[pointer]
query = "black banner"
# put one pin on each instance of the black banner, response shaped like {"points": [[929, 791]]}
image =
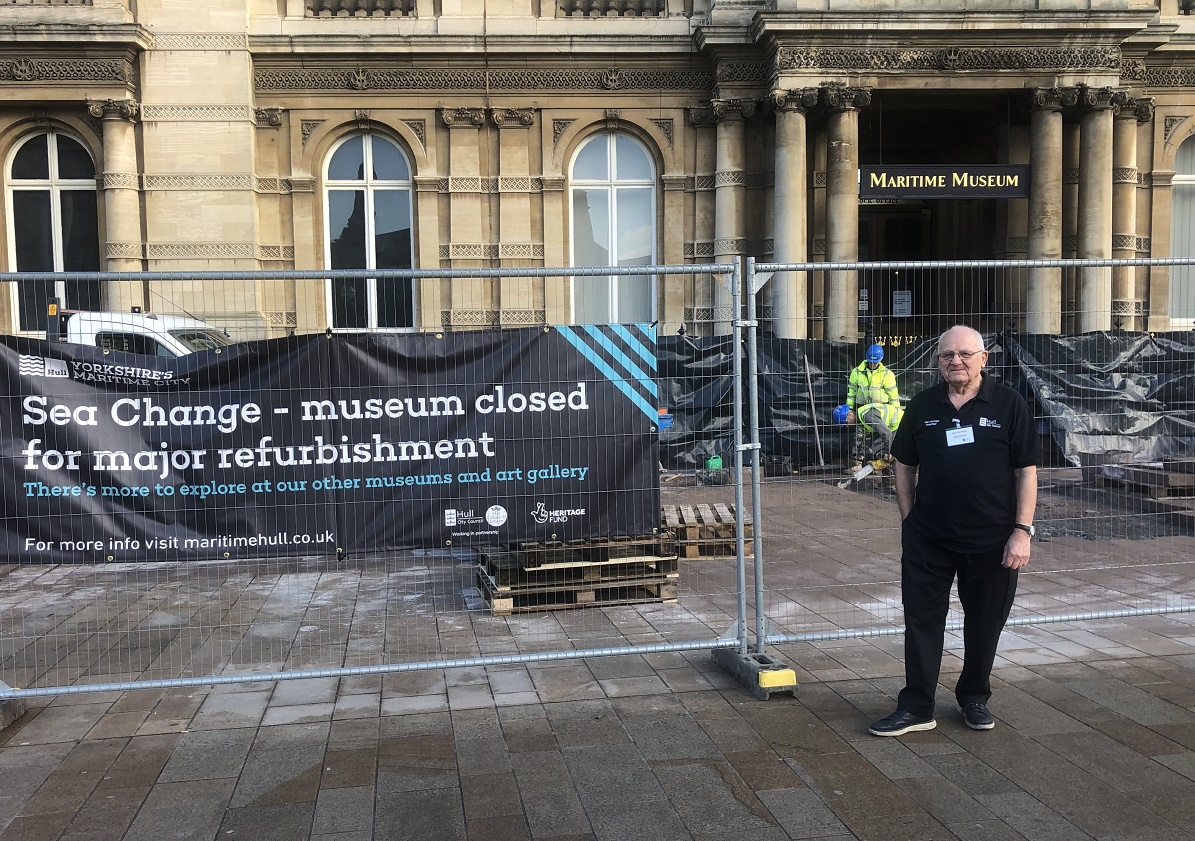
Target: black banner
{"points": [[309, 445], [958, 181]]}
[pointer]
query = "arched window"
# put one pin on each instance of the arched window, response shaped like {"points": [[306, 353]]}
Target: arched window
{"points": [[613, 195], [1182, 238], [367, 208], [51, 204]]}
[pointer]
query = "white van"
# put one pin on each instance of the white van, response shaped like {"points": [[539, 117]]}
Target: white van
{"points": [[147, 333]]}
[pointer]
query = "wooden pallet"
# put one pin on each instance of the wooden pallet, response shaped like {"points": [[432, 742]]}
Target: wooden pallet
{"points": [[526, 596], [703, 530], [583, 574], [1172, 479]]}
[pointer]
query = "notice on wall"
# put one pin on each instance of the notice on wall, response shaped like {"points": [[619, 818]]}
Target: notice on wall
{"points": [[902, 303], [312, 445]]}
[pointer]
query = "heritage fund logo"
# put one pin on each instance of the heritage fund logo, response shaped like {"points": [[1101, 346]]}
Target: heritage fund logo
{"points": [[542, 515], [39, 366]]}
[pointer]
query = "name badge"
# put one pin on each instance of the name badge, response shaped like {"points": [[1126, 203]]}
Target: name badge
{"points": [[960, 435]]}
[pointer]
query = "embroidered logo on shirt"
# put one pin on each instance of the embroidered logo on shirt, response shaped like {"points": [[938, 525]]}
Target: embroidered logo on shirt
{"points": [[990, 424], [933, 422]]}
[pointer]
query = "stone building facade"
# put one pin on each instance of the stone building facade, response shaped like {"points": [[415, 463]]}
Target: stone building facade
{"points": [[230, 135]]}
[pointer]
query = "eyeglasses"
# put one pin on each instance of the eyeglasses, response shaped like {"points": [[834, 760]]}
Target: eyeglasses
{"points": [[964, 355]]}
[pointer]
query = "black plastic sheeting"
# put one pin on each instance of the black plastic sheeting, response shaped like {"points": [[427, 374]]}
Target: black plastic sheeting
{"points": [[1099, 397]]}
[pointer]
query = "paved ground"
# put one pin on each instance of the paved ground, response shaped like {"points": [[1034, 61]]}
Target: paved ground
{"points": [[1095, 735]]}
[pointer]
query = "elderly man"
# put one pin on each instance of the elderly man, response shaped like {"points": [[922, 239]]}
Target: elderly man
{"points": [[966, 485]]}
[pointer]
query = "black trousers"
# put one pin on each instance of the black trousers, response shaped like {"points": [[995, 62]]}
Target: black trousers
{"points": [[986, 590]]}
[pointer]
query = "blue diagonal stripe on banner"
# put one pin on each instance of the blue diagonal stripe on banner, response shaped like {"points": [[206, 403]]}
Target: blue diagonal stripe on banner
{"points": [[646, 380], [633, 340], [620, 382]]}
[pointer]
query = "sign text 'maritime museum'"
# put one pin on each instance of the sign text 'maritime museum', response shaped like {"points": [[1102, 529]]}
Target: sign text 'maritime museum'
{"points": [[957, 181]]}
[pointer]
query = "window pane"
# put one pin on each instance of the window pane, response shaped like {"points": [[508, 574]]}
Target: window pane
{"points": [[1184, 161], [388, 162], [80, 231], [350, 306], [591, 247], [392, 250], [32, 161], [392, 229], [636, 245], [346, 228], [73, 160], [34, 297], [83, 294], [592, 163], [31, 230], [348, 164], [633, 163]]}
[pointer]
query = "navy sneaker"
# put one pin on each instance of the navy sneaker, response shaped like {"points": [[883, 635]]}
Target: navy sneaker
{"points": [[899, 723], [978, 716]]}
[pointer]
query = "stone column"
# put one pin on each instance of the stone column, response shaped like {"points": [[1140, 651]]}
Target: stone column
{"points": [[1012, 286], [729, 197], [1044, 300], [842, 208], [1095, 209], [123, 238], [1127, 308], [788, 292]]}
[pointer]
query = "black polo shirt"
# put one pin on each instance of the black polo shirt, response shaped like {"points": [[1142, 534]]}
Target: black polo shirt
{"points": [[966, 496]]}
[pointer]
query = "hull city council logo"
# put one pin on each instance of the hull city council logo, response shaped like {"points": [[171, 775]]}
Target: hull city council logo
{"points": [[39, 366]]}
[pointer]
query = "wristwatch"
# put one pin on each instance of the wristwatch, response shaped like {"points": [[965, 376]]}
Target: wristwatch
{"points": [[1032, 531]]}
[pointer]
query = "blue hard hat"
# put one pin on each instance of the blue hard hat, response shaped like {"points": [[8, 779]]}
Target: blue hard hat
{"points": [[875, 353], [840, 413]]}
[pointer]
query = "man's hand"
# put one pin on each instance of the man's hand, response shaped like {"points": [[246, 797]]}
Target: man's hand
{"points": [[1016, 550]]}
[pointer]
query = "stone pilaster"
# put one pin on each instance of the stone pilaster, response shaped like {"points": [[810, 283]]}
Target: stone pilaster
{"points": [[1044, 298], [468, 298], [1095, 208], [842, 208], [517, 296], [788, 291], [1127, 307], [123, 237], [729, 197]]}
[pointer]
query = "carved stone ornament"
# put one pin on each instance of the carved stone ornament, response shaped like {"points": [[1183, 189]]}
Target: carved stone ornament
{"points": [[613, 115], [1132, 70], [306, 127], [512, 117], [559, 127], [419, 128], [838, 97], [450, 79], [267, 117], [69, 71], [462, 117], [1169, 125], [1145, 109], [1054, 99], [665, 127], [952, 59], [701, 116], [799, 99], [724, 108], [112, 109], [361, 116], [1101, 98]]}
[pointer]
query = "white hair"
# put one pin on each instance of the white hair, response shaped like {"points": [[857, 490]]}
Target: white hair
{"points": [[966, 328]]}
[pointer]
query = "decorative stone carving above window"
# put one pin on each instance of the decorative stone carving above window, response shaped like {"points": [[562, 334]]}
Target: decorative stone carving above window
{"points": [[359, 8], [612, 8]]}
